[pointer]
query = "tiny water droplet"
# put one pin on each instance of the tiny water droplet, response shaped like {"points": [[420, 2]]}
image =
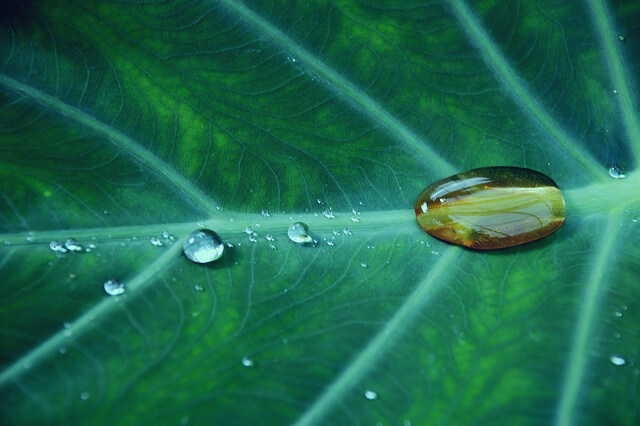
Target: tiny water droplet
{"points": [[113, 287], [621, 37], [347, 232], [615, 91], [247, 362], [299, 233], [229, 245], [616, 335], [155, 241], [248, 230], [273, 246], [364, 265], [616, 172], [336, 232], [265, 213], [30, 237], [72, 245], [435, 252], [165, 235], [198, 287], [328, 213], [355, 212], [253, 237], [330, 243], [66, 325], [57, 247], [618, 314], [355, 219], [84, 396], [617, 360], [203, 246], [370, 395], [270, 237], [319, 201]]}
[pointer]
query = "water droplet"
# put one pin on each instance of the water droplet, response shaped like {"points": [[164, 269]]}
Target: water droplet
{"points": [[84, 396], [370, 395], [299, 233], [347, 232], [270, 237], [435, 252], [273, 246], [617, 360], [155, 241], [618, 314], [616, 335], [355, 219], [253, 237], [616, 172], [328, 213], [265, 213], [66, 325], [113, 287], [615, 91], [57, 247], [198, 287], [247, 362], [319, 201], [364, 265], [336, 232], [165, 235], [248, 230], [491, 207], [330, 243], [621, 37], [30, 237], [203, 246], [72, 245], [361, 203]]}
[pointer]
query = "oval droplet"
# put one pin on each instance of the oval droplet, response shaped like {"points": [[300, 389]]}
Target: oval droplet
{"points": [[616, 172], [113, 287], [491, 207], [203, 246], [299, 233]]}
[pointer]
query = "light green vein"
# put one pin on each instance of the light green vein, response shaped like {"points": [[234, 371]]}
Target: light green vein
{"points": [[365, 361], [89, 319], [344, 88], [610, 44], [596, 281], [497, 62], [119, 139]]}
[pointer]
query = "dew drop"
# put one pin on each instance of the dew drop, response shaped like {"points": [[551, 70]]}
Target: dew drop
{"points": [[253, 237], [84, 396], [355, 219], [57, 247], [273, 246], [615, 91], [113, 287], [265, 213], [155, 241], [347, 232], [364, 265], [247, 362], [198, 287], [370, 395], [299, 233], [165, 235], [335, 232], [330, 243], [621, 37], [270, 238], [72, 245], [617, 360], [30, 237], [618, 314], [203, 246], [616, 172], [328, 213], [248, 230]]}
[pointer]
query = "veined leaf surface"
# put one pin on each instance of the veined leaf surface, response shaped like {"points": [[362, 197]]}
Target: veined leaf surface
{"points": [[124, 119]]}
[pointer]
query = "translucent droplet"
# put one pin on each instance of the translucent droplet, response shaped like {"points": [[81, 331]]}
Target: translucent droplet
{"points": [[621, 37], [57, 247], [113, 287], [270, 237], [253, 237], [155, 241], [336, 232], [616, 172], [618, 314], [84, 396], [364, 265], [248, 230], [265, 213], [617, 360], [203, 246], [355, 219], [198, 287], [72, 245], [370, 395], [299, 233], [30, 237], [330, 243], [347, 232], [615, 91], [66, 325], [319, 201], [273, 246], [165, 235], [247, 362], [328, 213]]}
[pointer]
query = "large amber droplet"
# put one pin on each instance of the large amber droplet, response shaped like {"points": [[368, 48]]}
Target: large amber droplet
{"points": [[491, 207]]}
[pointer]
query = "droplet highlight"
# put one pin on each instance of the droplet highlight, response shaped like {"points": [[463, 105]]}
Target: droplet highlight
{"points": [[491, 207], [113, 287], [616, 172], [617, 360], [203, 246], [370, 395]]}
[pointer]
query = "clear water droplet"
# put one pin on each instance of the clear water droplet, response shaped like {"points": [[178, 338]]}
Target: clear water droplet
{"points": [[30, 237], [364, 265], [247, 362], [615, 91], [66, 325], [336, 232], [229, 245], [299, 233], [248, 230], [355, 219], [347, 232], [618, 314], [328, 213], [198, 287], [84, 396], [621, 37], [273, 246], [319, 201], [72, 245], [155, 241], [330, 243], [57, 247], [616, 172], [370, 395], [253, 237], [165, 235], [203, 246], [270, 237], [617, 360], [113, 287], [265, 213], [435, 252]]}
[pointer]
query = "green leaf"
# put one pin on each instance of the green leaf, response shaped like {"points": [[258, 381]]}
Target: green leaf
{"points": [[121, 120]]}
